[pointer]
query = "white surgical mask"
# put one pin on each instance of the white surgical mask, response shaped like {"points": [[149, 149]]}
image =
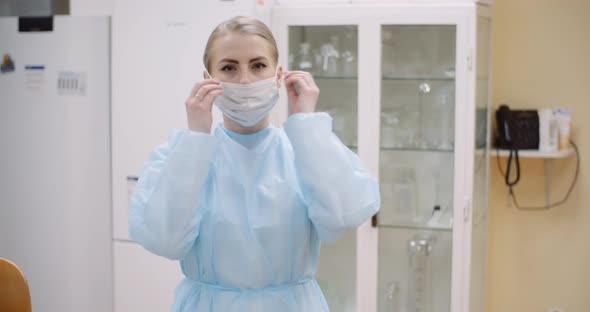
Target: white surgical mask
{"points": [[247, 104]]}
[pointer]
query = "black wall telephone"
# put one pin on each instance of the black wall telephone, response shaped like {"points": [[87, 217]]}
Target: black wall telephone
{"points": [[517, 129]]}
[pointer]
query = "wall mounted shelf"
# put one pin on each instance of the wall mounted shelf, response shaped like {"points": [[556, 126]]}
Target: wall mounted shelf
{"points": [[546, 156]]}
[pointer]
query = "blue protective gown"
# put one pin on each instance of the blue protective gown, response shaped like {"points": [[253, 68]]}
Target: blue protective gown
{"points": [[245, 214]]}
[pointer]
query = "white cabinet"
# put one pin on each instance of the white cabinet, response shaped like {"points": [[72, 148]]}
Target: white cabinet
{"points": [[408, 87]]}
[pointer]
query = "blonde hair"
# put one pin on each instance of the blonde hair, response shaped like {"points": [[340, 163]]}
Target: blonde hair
{"points": [[241, 25]]}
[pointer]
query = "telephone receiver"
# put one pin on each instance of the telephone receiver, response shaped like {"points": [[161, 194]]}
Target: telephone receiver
{"points": [[504, 123], [505, 127], [516, 130]]}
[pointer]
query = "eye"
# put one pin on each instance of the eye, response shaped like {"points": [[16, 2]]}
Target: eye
{"points": [[259, 65], [228, 68]]}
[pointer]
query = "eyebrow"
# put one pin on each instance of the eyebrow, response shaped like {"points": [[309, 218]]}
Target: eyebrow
{"points": [[259, 58]]}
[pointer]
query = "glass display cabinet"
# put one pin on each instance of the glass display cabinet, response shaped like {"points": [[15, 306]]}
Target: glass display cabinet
{"points": [[408, 88]]}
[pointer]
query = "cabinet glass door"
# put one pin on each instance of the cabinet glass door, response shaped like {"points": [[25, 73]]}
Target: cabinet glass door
{"points": [[480, 167], [416, 167], [330, 53]]}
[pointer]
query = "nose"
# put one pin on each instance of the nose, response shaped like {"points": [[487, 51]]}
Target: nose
{"points": [[245, 76]]}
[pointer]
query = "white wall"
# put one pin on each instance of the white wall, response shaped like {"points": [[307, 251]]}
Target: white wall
{"points": [[156, 59], [92, 7], [539, 259], [23, 8]]}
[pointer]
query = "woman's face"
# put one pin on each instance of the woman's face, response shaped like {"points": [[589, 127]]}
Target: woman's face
{"points": [[242, 58]]}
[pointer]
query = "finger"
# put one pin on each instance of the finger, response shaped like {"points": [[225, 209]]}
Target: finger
{"points": [[291, 72], [291, 82], [294, 77], [309, 79], [291, 92], [209, 87], [199, 84], [205, 89], [212, 95], [299, 74], [206, 82], [206, 100], [210, 98], [300, 80], [306, 75], [296, 84]]}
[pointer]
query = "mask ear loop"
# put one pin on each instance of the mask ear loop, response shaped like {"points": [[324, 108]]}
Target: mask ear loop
{"points": [[210, 76]]}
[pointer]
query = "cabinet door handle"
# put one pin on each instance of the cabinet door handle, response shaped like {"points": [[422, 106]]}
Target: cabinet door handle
{"points": [[466, 209], [470, 60]]}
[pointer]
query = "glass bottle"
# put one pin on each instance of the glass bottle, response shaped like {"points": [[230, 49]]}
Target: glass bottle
{"points": [[419, 274], [304, 60]]}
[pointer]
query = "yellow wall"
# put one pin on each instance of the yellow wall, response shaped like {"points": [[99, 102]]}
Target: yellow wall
{"points": [[536, 260]]}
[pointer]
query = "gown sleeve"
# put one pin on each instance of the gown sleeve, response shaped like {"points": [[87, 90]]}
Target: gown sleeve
{"points": [[166, 206], [340, 193]]}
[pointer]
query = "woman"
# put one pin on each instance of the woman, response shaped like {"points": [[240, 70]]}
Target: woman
{"points": [[244, 209]]}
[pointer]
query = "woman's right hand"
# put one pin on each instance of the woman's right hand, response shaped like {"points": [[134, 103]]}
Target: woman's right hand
{"points": [[200, 103]]}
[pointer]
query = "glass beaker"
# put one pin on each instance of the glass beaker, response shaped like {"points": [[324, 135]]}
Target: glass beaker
{"points": [[404, 193], [438, 119], [389, 127], [330, 58], [348, 64], [420, 273], [304, 59]]}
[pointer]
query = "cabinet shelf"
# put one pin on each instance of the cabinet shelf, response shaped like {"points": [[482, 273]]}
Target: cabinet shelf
{"points": [[320, 77], [414, 226], [416, 78], [535, 153], [408, 149], [546, 156], [387, 78], [417, 149]]}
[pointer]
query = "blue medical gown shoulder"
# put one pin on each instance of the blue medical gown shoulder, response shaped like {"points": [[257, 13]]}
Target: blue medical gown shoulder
{"points": [[245, 214]]}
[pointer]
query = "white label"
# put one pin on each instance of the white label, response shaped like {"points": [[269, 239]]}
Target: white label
{"points": [[71, 83]]}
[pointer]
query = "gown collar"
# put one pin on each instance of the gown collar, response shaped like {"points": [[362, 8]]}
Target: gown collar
{"points": [[256, 142]]}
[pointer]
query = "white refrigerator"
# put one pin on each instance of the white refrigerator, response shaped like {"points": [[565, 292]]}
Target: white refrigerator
{"points": [[55, 208]]}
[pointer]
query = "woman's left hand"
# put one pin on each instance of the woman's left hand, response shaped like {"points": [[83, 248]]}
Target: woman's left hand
{"points": [[305, 98]]}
